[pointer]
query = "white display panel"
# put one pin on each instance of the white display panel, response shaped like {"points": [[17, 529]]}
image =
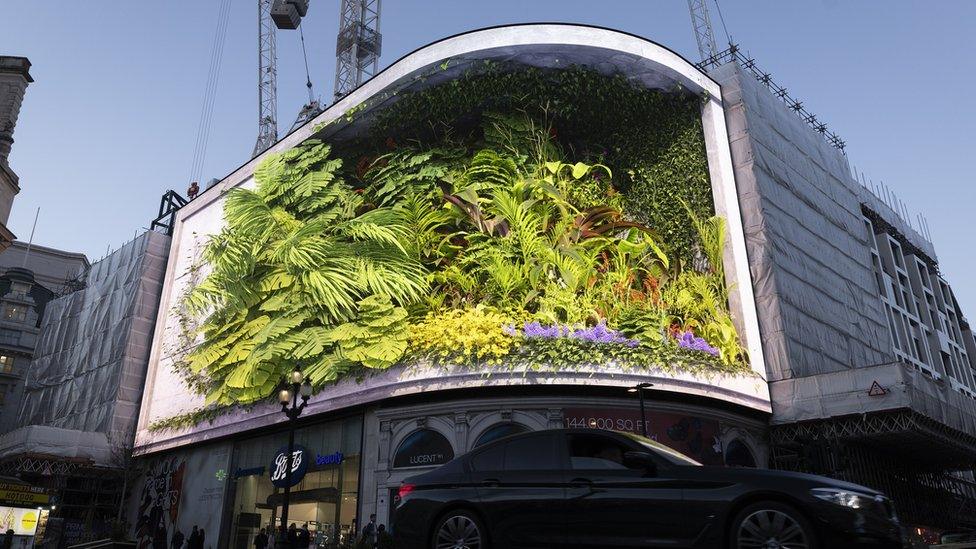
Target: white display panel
{"points": [[166, 394]]}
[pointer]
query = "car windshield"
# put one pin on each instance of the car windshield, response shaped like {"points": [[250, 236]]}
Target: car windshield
{"points": [[669, 454]]}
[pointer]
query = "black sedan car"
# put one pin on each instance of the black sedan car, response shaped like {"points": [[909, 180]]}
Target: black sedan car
{"points": [[593, 488]]}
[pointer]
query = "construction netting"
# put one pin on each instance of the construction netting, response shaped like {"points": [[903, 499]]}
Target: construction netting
{"points": [[89, 366]]}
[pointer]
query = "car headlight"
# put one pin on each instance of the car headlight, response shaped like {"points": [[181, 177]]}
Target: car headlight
{"points": [[844, 498]]}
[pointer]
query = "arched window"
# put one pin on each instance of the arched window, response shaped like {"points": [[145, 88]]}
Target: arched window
{"points": [[498, 431], [737, 454], [423, 448]]}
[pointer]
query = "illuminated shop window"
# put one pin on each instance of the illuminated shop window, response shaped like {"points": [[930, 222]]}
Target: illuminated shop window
{"points": [[6, 364]]}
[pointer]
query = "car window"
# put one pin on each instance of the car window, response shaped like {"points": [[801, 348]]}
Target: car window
{"points": [[670, 454], [588, 451], [533, 453], [490, 459]]}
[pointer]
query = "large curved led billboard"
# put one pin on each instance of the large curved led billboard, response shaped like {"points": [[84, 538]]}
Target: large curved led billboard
{"points": [[537, 204]]}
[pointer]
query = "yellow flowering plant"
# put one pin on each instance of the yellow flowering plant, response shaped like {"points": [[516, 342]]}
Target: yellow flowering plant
{"points": [[470, 334]]}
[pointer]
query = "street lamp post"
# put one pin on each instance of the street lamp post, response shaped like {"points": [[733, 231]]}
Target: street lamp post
{"points": [[639, 389], [297, 386]]}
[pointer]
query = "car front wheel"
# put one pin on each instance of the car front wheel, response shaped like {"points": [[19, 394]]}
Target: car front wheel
{"points": [[459, 530], [771, 525]]}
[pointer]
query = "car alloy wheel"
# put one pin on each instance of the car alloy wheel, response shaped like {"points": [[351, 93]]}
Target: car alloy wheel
{"points": [[458, 531], [771, 529]]}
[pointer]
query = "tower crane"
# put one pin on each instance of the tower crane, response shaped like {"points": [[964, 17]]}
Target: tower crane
{"points": [[703, 29], [358, 47], [267, 79]]}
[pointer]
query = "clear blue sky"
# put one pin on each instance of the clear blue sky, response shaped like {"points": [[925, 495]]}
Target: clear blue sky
{"points": [[110, 122]]}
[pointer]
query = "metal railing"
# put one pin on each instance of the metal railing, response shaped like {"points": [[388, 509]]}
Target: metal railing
{"points": [[734, 54]]}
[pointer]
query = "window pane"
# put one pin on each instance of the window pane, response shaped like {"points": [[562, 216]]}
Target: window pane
{"points": [[531, 453], [596, 452], [423, 447], [496, 432], [489, 460]]}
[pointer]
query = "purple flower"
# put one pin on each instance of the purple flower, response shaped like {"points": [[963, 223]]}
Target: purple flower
{"points": [[688, 340], [594, 334]]}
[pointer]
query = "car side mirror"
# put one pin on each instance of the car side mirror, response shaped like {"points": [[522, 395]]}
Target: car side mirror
{"points": [[640, 460]]}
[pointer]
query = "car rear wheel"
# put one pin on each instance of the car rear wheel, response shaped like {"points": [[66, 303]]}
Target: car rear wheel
{"points": [[459, 530], [772, 525]]}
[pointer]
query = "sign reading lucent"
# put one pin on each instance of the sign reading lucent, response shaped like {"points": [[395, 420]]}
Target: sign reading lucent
{"points": [[280, 462], [423, 448]]}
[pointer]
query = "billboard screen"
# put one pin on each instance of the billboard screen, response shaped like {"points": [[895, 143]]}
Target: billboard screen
{"points": [[509, 221], [22, 521]]}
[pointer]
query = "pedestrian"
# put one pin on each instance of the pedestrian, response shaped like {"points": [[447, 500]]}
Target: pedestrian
{"points": [[369, 531], [292, 536], [8, 539], [194, 540], [261, 540], [159, 536], [281, 540], [177, 539], [304, 537]]}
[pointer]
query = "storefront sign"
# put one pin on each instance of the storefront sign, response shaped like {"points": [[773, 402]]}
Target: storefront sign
{"points": [[693, 436], [330, 459], [279, 464], [423, 448], [19, 494], [22, 521]]}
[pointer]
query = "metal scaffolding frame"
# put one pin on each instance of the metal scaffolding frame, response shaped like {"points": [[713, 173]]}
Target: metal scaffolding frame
{"points": [[734, 54], [80, 490], [926, 490], [169, 204]]}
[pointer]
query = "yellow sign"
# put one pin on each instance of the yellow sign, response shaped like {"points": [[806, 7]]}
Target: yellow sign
{"points": [[28, 521], [32, 498]]}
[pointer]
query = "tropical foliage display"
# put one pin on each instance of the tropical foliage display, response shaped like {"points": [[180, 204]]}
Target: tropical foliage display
{"points": [[520, 219]]}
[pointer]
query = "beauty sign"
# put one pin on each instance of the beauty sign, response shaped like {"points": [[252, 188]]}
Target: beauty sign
{"points": [[329, 459], [299, 464]]}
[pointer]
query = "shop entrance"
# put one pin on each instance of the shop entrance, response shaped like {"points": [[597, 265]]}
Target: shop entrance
{"points": [[325, 499]]}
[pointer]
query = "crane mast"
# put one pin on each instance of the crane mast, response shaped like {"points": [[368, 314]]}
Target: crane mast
{"points": [[703, 29], [267, 80], [358, 45]]}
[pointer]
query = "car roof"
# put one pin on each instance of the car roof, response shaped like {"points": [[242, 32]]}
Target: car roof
{"points": [[568, 431]]}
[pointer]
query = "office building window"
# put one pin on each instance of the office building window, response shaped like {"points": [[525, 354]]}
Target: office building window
{"points": [[6, 364], [9, 337], [20, 289], [15, 313]]}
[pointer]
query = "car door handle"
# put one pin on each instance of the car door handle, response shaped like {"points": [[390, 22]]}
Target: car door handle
{"points": [[490, 482]]}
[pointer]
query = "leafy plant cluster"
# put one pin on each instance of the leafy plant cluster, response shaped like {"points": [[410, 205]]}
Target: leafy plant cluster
{"points": [[533, 202], [651, 140]]}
